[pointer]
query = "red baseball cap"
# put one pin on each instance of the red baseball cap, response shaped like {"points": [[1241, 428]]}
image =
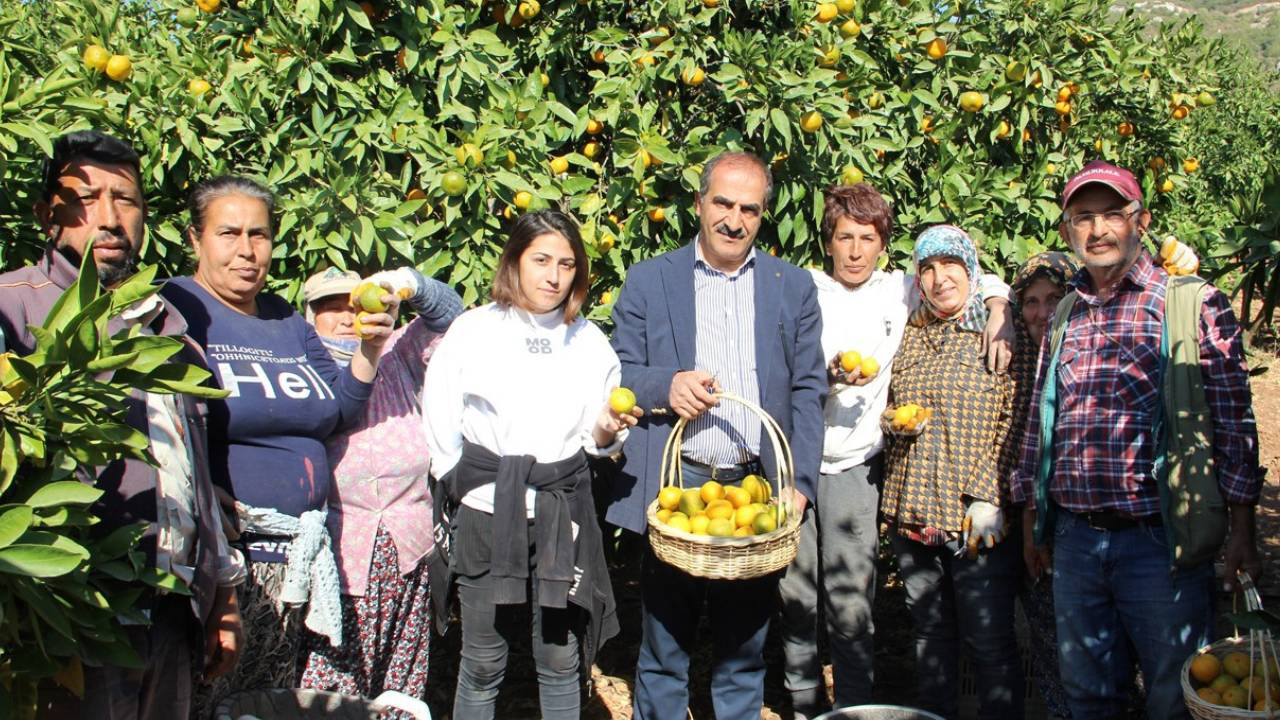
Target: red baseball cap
{"points": [[1116, 178]]}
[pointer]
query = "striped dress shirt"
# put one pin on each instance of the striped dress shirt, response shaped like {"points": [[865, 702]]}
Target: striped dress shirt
{"points": [[725, 348]]}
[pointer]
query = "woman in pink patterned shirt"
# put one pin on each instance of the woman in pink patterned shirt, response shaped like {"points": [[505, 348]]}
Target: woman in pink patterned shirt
{"points": [[380, 503]]}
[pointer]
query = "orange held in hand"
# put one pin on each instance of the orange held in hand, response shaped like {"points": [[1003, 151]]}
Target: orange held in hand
{"points": [[850, 360], [869, 367], [368, 297], [906, 419], [622, 400], [359, 326]]}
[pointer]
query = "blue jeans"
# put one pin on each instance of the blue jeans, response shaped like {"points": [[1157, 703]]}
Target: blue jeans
{"points": [[739, 613], [1109, 585], [953, 600], [835, 567]]}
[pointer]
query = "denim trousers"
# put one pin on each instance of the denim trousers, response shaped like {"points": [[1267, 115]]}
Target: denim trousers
{"points": [[1115, 589], [958, 600], [835, 568], [738, 612]]}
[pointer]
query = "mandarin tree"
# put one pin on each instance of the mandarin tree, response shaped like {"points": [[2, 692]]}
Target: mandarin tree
{"points": [[412, 132]]}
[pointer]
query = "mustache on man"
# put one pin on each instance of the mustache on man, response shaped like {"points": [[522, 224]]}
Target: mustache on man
{"points": [[735, 233]]}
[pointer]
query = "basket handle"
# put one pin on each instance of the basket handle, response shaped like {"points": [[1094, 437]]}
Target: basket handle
{"points": [[1259, 640], [672, 470]]}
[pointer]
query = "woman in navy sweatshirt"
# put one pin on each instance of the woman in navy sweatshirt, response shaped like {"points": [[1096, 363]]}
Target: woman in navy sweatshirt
{"points": [[267, 451]]}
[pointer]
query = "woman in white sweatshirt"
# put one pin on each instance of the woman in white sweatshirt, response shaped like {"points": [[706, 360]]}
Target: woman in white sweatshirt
{"points": [[515, 398]]}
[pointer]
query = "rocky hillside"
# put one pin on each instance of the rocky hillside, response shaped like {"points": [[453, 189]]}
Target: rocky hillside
{"points": [[1251, 24]]}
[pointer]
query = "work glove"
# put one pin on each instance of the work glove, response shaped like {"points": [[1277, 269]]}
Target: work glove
{"points": [[434, 301], [983, 527], [1178, 258]]}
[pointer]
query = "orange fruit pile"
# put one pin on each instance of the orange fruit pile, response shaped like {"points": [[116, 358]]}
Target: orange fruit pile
{"points": [[1235, 681], [716, 510], [909, 417]]}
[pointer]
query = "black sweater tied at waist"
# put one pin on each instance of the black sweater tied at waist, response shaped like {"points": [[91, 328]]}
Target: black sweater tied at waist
{"points": [[567, 569]]}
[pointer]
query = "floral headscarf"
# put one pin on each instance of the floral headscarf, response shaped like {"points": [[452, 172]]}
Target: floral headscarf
{"points": [[950, 241], [1056, 267]]}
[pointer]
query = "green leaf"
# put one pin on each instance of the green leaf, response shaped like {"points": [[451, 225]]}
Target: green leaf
{"points": [[14, 521], [66, 492], [65, 516], [111, 362], [155, 577], [140, 285], [38, 560], [1255, 620], [118, 542], [781, 123], [152, 351], [56, 541], [8, 460]]}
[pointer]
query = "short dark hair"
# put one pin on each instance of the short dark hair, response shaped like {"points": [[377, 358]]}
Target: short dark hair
{"points": [[506, 279], [86, 145], [206, 192], [731, 156], [863, 203]]}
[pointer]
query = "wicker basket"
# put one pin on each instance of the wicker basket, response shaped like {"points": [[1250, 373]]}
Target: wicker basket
{"points": [[729, 558], [1259, 646]]}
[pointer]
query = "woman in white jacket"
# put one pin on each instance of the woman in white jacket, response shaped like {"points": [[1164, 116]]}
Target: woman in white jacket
{"points": [[515, 398]]}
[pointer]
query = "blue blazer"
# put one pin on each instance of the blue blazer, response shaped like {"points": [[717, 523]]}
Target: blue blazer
{"points": [[654, 336]]}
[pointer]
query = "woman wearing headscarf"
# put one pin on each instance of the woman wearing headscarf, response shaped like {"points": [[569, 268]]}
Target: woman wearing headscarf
{"points": [[1038, 286], [947, 484], [380, 500]]}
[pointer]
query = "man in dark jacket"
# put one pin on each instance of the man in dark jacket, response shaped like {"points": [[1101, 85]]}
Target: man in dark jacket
{"points": [[92, 192], [715, 314]]}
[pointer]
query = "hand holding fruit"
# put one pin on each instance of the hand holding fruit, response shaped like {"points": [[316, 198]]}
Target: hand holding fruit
{"points": [[691, 393], [907, 420], [376, 309], [983, 526], [619, 413], [852, 368], [798, 501], [405, 282], [1178, 258]]}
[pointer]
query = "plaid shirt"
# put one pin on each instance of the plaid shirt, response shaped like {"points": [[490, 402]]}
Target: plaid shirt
{"points": [[1109, 387]]}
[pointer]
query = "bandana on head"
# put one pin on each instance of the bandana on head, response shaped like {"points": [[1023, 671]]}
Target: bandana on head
{"points": [[1056, 267], [950, 241]]}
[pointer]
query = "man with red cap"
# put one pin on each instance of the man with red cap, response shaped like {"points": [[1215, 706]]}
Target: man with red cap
{"points": [[1099, 489]]}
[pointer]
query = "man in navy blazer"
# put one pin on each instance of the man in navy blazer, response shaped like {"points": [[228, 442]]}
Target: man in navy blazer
{"points": [[715, 314]]}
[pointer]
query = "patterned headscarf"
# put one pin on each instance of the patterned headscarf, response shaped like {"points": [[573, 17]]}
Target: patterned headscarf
{"points": [[1056, 267], [950, 241]]}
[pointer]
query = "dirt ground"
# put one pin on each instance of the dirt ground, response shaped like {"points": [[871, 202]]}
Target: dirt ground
{"points": [[895, 673]]}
